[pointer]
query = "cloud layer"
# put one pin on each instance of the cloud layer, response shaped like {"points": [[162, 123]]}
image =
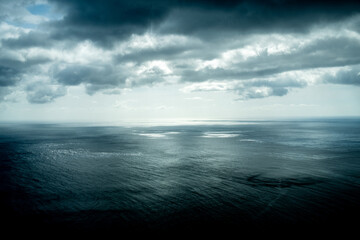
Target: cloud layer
{"points": [[255, 49]]}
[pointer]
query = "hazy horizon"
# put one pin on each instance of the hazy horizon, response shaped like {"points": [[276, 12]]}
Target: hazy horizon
{"points": [[181, 121]]}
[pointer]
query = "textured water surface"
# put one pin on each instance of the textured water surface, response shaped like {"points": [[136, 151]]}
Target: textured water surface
{"points": [[188, 177]]}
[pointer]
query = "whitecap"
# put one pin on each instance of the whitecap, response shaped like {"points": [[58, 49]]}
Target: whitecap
{"points": [[220, 135], [250, 140], [172, 133], [152, 135]]}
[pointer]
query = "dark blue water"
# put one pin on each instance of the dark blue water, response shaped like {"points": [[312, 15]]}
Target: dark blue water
{"points": [[84, 178]]}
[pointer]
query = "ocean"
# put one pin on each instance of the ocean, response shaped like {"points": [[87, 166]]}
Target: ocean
{"points": [[203, 175]]}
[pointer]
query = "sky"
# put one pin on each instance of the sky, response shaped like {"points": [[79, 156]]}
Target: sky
{"points": [[140, 60]]}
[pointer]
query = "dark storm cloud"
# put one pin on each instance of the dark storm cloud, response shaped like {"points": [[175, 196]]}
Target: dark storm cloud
{"points": [[259, 16], [12, 70], [107, 21], [102, 44], [355, 25], [8, 76]]}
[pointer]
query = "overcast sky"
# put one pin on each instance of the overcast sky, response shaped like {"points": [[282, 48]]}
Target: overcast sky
{"points": [[100, 60]]}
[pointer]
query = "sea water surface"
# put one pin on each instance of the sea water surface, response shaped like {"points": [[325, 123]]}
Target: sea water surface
{"points": [[191, 176]]}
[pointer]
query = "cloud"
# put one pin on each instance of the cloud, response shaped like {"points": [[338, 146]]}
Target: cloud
{"points": [[255, 49], [255, 88], [94, 77], [3, 92], [256, 16], [103, 22], [148, 47], [76, 74], [8, 76], [40, 93], [17, 12], [97, 77], [255, 63], [27, 40], [347, 76]]}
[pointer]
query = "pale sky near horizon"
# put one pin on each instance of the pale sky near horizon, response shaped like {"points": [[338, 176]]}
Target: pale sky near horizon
{"points": [[109, 61]]}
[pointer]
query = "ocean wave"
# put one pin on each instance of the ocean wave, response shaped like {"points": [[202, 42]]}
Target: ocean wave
{"points": [[220, 135], [171, 133], [250, 140], [152, 135]]}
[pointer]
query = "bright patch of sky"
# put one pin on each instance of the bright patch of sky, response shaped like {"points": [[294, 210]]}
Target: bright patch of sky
{"points": [[39, 9]]}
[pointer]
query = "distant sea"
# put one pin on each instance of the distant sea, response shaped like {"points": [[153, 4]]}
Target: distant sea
{"points": [[208, 175]]}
